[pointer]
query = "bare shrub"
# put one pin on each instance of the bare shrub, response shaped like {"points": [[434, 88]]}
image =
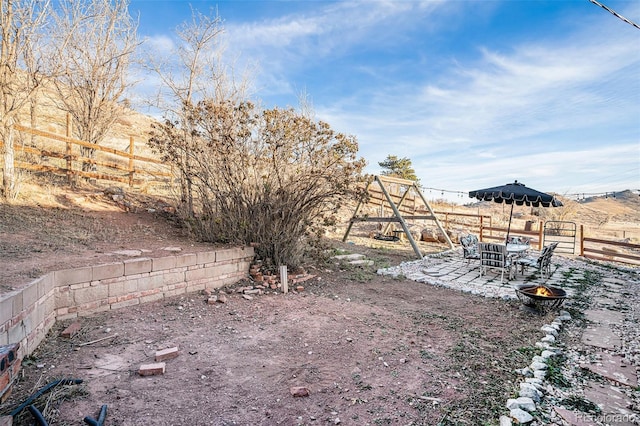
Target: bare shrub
{"points": [[274, 178]]}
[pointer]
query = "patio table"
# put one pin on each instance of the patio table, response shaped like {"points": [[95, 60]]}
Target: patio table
{"points": [[517, 250]]}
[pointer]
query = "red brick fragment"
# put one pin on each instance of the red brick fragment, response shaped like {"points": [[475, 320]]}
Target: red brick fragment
{"points": [[299, 391], [168, 353], [71, 331], [152, 369]]}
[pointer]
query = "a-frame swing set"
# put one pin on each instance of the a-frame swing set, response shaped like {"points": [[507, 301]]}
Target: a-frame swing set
{"points": [[397, 216]]}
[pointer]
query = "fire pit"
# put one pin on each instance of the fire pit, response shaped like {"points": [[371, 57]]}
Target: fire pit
{"points": [[540, 297]]}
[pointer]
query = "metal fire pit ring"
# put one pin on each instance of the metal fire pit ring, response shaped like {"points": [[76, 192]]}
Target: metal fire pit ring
{"points": [[527, 295]]}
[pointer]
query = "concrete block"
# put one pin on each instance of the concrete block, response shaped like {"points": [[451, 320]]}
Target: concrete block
{"points": [[150, 282], [163, 263], [188, 259], [29, 295], [49, 283], [90, 294], [20, 330], [6, 308], [234, 253], [173, 278], [197, 274], [17, 302], [62, 298], [73, 276], [108, 271], [205, 257], [137, 266]]}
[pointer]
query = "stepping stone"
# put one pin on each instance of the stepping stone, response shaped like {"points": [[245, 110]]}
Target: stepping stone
{"points": [[612, 368], [601, 337], [354, 256], [435, 272], [611, 400], [572, 418], [361, 262], [604, 316]]}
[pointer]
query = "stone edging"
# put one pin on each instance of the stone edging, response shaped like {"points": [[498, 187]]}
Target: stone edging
{"points": [[27, 314], [531, 390]]}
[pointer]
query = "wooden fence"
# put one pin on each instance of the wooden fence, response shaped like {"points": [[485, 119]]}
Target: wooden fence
{"points": [[601, 249], [608, 250], [62, 155]]}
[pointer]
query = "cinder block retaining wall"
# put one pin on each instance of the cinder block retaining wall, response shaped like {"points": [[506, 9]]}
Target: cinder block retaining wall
{"points": [[27, 314]]}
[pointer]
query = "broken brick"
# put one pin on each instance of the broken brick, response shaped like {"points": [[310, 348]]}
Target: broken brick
{"points": [[165, 354], [152, 369], [71, 331], [299, 391]]}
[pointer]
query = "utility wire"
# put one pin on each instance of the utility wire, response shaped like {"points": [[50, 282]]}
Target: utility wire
{"points": [[614, 13]]}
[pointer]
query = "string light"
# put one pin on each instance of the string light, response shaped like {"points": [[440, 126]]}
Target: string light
{"points": [[577, 196]]}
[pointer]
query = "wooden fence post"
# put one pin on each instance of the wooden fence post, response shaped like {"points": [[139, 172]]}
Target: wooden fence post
{"points": [[131, 171], [481, 223], [69, 152], [582, 240], [540, 236]]}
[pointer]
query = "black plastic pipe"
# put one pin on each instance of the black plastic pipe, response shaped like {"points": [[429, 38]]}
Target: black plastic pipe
{"points": [[100, 422], [42, 390], [38, 416]]}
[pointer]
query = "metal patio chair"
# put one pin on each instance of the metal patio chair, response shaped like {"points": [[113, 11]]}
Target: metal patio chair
{"points": [[495, 256], [469, 245]]}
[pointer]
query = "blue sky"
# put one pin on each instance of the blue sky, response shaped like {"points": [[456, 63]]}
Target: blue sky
{"points": [[475, 93]]}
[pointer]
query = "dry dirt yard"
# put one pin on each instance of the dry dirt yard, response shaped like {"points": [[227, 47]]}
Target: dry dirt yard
{"points": [[370, 350]]}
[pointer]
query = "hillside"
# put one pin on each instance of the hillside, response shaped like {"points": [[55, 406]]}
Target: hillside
{"points": [[52, 227]]}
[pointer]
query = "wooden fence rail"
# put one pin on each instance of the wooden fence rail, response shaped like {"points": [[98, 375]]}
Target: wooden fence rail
{"points": [[630, 253], [112, 161], [592, 248]]}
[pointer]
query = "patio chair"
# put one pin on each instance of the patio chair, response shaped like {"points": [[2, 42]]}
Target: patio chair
{"points": [[470, 247], [495, 256], [541, 263]]}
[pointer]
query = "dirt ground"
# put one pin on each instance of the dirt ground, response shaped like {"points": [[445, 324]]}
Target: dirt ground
{"points": [[370, 350]]}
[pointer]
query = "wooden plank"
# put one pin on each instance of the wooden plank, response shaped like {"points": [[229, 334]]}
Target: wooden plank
{"points": [[613, 243], [613, 254], [61, 138]]}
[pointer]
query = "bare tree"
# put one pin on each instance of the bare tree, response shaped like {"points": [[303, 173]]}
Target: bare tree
{"points": [[191, 71], [100, 39], [272, 177], [22, 73]]}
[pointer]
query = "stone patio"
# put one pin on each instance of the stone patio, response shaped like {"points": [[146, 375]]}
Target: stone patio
{"points": [[606, 359]]}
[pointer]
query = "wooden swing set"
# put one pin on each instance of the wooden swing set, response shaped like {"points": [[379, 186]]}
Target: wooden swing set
{"points": [[406, 188]]}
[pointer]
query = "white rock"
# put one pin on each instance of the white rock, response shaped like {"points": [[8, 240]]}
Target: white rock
{"points": [[540, 374], [527, 390], [505, 421], [547, 354], [549, 338], [522, 402], [538, 383], [354, 256], [538, 366], [549, 330], [521, 416]]}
